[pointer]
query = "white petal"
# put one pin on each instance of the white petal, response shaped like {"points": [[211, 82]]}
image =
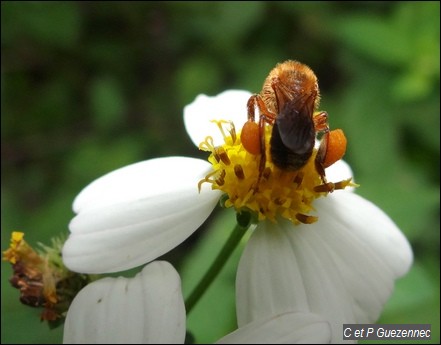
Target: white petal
{"points": [[339, 171], [146, 309], [289, 328], [343, 267], [137, 181], [135, 214], [230, 105]]}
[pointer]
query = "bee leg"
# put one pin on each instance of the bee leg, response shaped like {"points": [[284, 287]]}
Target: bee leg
{"points": [[253, 132], [321, 122], [250, 133], [325, 187], [262, 161], [320, 158], [332, 148], [251, 107], [253, 135]]}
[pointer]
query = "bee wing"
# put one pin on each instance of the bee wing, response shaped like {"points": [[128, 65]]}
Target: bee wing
{"points": [[295, 125]]}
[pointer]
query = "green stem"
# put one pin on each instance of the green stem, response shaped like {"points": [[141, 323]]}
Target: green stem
{"points": [[228, 248]]}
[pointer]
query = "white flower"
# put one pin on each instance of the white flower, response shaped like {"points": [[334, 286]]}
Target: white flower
{"points": [[149, 309], [342, 267]]}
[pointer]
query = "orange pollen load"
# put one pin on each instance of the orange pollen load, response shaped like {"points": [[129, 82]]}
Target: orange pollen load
{"points": [[250, 137], [336, 147]]}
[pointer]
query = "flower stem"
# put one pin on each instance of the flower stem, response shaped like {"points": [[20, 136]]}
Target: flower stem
{"points": [[228, 248]]}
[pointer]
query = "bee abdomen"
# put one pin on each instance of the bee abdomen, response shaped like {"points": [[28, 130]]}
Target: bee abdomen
{"points": [[283, 157]]}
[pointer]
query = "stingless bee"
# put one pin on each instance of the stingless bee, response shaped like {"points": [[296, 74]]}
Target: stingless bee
{"points": [[288, 102]]}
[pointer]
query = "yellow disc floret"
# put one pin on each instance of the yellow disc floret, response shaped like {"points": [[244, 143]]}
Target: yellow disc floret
{"points": [[277, 193]]}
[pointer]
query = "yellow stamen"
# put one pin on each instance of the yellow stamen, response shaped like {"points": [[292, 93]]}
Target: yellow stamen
{"points": [[279, 193]]}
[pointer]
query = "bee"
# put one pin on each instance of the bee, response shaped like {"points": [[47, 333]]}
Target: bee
{"points": [[288, 102]]}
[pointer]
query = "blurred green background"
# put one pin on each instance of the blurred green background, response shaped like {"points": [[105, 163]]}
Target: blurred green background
{"points": [[88, 87]]}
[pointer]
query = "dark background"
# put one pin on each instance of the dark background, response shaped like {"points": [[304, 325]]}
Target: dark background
{"points": [[89, 87]]}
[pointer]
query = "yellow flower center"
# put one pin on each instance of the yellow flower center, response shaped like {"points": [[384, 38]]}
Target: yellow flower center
{"points": [[288, 194]]}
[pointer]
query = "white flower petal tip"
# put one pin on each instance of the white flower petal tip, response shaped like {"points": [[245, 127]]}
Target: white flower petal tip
{"points": [[230, 105], [135, 214], [343, 267], [146, 309], [288, 328]]}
